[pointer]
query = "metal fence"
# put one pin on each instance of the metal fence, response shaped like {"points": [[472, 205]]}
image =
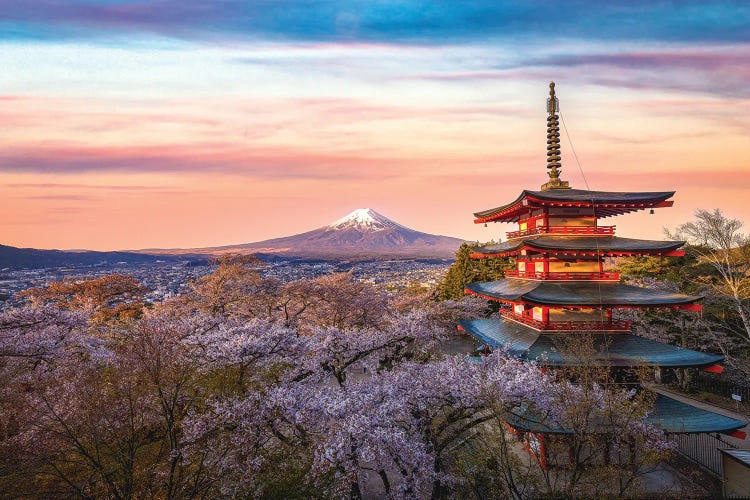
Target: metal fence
{"points": [[715, 385], [703, 449]]}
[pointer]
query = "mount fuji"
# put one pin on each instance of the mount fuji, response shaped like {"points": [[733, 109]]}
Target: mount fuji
{"points": [[364, 233], [361, 235]]}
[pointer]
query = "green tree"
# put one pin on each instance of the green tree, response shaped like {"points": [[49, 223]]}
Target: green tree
{"points": [[467, 270]]}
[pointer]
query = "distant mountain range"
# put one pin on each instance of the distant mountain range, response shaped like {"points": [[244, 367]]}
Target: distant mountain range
{"points": [[362, 234], [31, 258]]}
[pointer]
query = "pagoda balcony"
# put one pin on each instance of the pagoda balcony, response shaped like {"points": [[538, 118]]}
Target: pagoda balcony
{"points": [[580, 276], [564, 230], [567, 326]]}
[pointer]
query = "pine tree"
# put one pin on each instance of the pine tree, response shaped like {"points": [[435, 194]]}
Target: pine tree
{"points": [[467, 270]]}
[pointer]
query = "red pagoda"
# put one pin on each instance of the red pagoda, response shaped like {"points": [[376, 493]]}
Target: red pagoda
{"points": [[560, 287]]}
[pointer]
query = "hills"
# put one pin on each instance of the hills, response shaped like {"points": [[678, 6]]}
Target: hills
{"points": [[31, 258]]}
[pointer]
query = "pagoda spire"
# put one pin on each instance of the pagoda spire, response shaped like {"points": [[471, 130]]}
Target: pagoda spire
{"points": [[553, 144]]}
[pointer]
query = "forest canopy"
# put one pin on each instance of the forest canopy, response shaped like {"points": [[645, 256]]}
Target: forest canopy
{"points": [[247, 386]]}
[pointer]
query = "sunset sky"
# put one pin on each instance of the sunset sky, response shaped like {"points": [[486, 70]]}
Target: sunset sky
{"points": [[188, 123]]}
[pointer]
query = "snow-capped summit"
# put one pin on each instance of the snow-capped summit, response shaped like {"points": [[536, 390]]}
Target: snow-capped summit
{"points": [[365, 219], [363, 233]]}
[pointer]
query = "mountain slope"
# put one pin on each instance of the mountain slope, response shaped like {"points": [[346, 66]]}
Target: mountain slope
{"points": [[362, 233]]}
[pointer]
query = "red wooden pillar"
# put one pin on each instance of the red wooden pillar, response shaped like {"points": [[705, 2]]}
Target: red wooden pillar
{"points": [[542, 451]]}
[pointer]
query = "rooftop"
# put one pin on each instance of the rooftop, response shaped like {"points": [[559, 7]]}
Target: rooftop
{"points": [[601, 244], [603, 203], [558, 349], [578, 293], [670, 415]]}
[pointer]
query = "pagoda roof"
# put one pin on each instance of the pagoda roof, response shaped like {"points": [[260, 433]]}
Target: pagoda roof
{"points": [[676, 417], [605, 203], [670, 415], [557, 349], [600, 244], [578, 293]]}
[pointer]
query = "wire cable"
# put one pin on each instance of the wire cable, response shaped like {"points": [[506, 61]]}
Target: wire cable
{"points": [[593, 212]]}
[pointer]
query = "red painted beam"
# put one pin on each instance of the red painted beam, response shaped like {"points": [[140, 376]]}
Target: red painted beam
{"points": [[477, 255], [739, 434], [577, 253], [692, 307], [674, 253], [713, 369]]}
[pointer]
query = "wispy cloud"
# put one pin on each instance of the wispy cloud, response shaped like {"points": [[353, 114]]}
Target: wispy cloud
{"points": [[714, 69], [94, 187], [256, 162], [61, 197], [408, 21]]}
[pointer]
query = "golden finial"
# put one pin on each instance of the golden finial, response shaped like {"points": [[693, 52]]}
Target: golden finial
{"points": [[553, 143]]}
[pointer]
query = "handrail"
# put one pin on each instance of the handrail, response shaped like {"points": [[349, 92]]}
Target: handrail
{"points": [[615, 325], [566, 230], [567, 276]]}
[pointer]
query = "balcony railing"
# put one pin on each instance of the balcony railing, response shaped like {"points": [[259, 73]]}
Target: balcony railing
{"points": [[580, 276], [563, 230], [568, 326]]}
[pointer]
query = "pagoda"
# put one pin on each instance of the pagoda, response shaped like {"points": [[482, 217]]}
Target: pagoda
{"points": [[560, 288]]}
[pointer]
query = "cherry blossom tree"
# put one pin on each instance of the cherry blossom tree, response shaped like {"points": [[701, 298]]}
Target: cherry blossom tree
{"points": [[341, 391], [228, 290], [99, 410], [396, 426], [110, 297]]}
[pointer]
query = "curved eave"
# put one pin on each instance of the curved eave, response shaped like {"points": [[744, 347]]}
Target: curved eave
{"points": [[610, 349], [600, 294], [504, 249], [515, 339], [601, 243], [604, 203], [488, 254], [609, 246], [676, 417], [670, 415], [505, 213]]}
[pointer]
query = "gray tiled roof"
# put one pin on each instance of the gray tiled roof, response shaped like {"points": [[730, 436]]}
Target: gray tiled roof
{"points": [[590, 243], [579, 293], [584, 195], [670, 415], [556, 349]]}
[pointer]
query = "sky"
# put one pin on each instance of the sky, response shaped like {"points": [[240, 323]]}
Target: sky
{"points": [[184, 123]]}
